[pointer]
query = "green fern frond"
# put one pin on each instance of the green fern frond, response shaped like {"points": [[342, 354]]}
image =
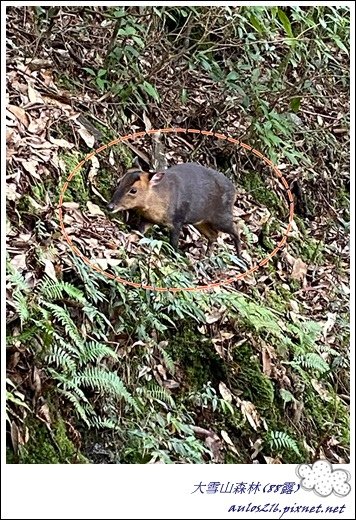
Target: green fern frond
{"points": [[61, 358], [91, 283], [93, 351], [73, 292], [67, 346], [105, 382], [100, 423], [312, 361], [168, 361], [51, 290], [309, 333], [326, 348], [48, 289], [46, 327], [62, 315], [256, 316], [278, 440], [160, 395], [80, 409], [68, 383], [16, 279], [23, 337], [287, 396], [21, 306], [94, 315]]}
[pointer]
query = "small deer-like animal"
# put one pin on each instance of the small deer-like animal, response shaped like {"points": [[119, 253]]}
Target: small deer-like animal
{"points": [[186, 193]]}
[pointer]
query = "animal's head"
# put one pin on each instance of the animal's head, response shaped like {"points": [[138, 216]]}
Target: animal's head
{"points": [[134, 189]]}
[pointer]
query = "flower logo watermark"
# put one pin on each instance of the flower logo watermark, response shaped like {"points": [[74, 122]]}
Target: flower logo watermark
{"points": [[323, 480]]}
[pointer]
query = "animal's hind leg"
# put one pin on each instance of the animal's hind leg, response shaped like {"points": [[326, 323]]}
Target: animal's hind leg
{"points": [[233, 231], [210, 233]]}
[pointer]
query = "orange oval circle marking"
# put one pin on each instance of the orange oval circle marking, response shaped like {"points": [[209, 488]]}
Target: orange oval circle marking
{"points": [[217, 135]]}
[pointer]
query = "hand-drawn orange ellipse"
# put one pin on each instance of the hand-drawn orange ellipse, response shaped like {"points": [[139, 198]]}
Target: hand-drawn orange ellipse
{"points": [[217, 135]]}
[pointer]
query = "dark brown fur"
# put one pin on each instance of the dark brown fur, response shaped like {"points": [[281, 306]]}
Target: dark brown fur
{"points": [[183, 194]]}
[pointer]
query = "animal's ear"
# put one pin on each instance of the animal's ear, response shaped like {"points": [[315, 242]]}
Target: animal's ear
{"points": [[155, 177], [136, 163]]}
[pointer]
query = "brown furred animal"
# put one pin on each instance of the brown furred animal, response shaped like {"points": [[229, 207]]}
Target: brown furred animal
{"points": [[186, 193]]}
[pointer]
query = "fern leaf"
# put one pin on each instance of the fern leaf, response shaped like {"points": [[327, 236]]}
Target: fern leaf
{"points": [[283, 440], [51, 290], [78, 408], [160, 395], [93, 351], [61, 358], [62, 315], [105, 382], [23, 337], [313, 361], [16, 279], [98, 422], [21, 305]]}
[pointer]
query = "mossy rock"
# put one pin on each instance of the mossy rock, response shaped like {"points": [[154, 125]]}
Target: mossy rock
{"points": [[252, 382], [197, 358], [311, 251], [107, 177], [77, 190], [47, 447], [256, 186], [322, 414], [105, 181]]}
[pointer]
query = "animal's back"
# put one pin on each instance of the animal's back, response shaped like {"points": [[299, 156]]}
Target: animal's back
{"points": [[201, 192]]}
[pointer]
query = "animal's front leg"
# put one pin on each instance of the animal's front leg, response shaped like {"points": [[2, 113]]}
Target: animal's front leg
{"points": [[174, 235]]}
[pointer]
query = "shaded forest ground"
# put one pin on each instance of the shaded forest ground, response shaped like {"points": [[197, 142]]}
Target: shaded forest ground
{"points": [[255, 371]]}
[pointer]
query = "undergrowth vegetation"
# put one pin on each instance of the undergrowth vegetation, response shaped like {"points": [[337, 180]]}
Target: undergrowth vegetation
{"points": [[254, 370]]}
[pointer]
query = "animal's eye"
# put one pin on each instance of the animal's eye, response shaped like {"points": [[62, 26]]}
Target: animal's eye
{"points": [[133, 191]]}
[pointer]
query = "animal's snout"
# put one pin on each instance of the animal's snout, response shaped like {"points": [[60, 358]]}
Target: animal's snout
{"points": [[110, 206]]}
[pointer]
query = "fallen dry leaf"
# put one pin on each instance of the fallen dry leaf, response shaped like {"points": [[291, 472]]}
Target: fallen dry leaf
{"points": [[15, 437], [257, 446], [218, 347], [50, 270], [215, 316], [104, 263], [9, 134], [94, 168], [31, 167], [36, 382], [43, 414], [271, 460], [330, 322], [213, 442], [266, 362], [170, 384], [19, 262], [225, 392], [250, 412], [62, 143], [162, 371], [11, 192], [299, 270], [94, 209], [32, 95], [320, 389], [71, 205], [88, 138], [226, 438], [20, 114]]}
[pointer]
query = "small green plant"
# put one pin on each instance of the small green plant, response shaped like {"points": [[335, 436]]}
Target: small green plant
{"points": [[207, 398], [279, 441]]}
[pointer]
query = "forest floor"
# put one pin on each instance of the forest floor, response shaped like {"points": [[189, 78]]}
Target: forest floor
{"points": [[256, 370]]}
